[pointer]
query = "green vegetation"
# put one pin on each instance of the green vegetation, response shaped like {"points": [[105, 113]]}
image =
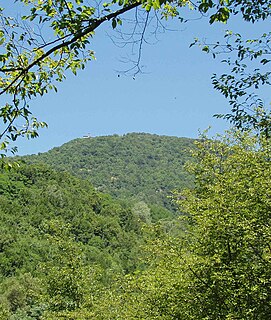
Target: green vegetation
{"points": [[138, 166], [61, 242], [69, 252], [220, 267]]}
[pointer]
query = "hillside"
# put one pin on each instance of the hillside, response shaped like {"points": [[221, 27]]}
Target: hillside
{"points": [[59, 239], [142, 166], [36, 200]]}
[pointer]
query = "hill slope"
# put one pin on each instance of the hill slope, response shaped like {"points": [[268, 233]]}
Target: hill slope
{"points": [[137, 165], [61, 242], [33, 197]]}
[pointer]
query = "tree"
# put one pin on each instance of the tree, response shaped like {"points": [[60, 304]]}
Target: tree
{"points": [[32, 61], [247, 61], [230, 209], [220, 267]]}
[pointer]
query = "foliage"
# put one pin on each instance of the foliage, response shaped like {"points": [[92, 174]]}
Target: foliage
{"points": [[68, 252], [247, 62], [219, 267], [230, 208], [142, 167], [61, 243]]}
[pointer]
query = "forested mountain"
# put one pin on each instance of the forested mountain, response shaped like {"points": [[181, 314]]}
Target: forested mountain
{"points": [[69, 252], [142, 166]]}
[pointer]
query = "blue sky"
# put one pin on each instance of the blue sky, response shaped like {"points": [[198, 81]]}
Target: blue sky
{"points": [[174, 97]]}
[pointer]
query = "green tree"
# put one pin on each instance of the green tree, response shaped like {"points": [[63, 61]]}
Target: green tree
{"points": [[220, 266], [142, 212], [20, 298], [69, 282], [230, 214]]}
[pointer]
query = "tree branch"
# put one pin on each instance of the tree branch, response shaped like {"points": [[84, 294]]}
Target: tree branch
{"points": [[94, 24]]}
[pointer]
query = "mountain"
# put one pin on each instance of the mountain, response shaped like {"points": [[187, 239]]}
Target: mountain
{"points": [[145, 167], [63, 243]]}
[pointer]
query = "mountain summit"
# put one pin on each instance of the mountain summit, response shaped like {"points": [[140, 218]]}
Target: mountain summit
{"points": [[142, 166]]}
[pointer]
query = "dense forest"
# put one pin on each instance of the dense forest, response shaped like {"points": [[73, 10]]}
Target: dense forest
{"points": [[60, 239], [139, 166], [68, 251]]}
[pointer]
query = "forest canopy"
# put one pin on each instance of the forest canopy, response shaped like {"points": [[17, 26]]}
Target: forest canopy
{"points": [[135, 166]]}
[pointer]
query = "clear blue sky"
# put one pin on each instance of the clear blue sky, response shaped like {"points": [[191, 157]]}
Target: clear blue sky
{"points": [[175, 97]]}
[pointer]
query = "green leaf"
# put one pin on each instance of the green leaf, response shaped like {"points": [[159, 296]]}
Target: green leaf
{"points": [[114, 23]]}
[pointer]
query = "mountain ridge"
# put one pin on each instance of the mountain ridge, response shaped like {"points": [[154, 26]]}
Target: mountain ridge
{"points": [[143, 166]]}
